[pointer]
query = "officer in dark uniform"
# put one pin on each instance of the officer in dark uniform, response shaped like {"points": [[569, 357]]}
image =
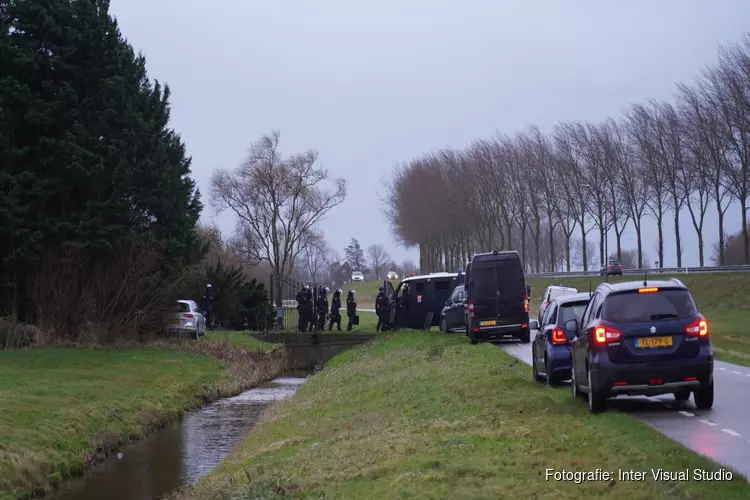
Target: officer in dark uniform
{"points": [[381, 309], [403, 306], [335, 313], [304, 307], [300, 298], [351, 309], [208, 304], [322, 307]]}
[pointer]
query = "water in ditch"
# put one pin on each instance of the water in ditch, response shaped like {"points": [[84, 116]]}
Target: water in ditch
{"points": [[183, 452]]}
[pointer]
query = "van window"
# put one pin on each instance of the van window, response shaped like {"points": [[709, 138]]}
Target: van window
{"points": [[634, 307], [442, 285]]}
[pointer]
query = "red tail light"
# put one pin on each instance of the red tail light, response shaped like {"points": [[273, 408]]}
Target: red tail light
{"points": [[558, 336], [471, 308], [526, 303], [697, 328], [606, 334], [188, 316], [621, 383]]}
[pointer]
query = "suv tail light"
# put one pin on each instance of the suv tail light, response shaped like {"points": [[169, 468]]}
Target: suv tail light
{"points": [[606, 334], [698, 328], [188, 316], [471, 308], [526, 304], [558, 336]]}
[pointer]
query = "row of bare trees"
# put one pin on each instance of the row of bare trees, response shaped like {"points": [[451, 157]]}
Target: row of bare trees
{"points": [[537, 193]]}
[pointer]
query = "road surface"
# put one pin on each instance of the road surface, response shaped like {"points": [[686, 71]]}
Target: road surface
{"points": [[721, 433]]}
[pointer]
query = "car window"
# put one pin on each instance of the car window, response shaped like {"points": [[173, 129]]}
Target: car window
{"points": [[550, 314], [589, 310], [182, 307], [634, 307], [573, 310]]}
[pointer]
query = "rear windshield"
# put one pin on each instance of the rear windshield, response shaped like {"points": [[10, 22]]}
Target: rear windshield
{"points": [[574, 310], [634, 307], [182, 307], [503, 276], [556, 292]]}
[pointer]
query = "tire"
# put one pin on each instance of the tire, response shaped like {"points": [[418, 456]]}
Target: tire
{"points": [[196, 334], [534, 373], [574, 385], [597, 401], [474, 340], [443, 326], [704, 397], [525, 338], [682, 394], [551, 381]]}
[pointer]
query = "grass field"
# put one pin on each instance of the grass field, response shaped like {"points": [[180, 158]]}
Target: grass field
{"points": [[64, 408], [427, 415], [238, 339], [721, 297]]}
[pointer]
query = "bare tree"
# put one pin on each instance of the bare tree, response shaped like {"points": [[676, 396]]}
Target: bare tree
{"points": [[614, 157], [278, 202], [316, 257], [379, 258]]}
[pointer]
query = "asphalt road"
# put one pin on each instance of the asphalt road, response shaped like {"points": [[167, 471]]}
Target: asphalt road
{"points": [[721, 433]]}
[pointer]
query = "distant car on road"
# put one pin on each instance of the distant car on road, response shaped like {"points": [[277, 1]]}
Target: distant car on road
{"points": [[642, 338], [392, 275], [550, 293], [613, 268], [498, 297], [187, 320], [358, 276], [452, 315], [550, 350]]}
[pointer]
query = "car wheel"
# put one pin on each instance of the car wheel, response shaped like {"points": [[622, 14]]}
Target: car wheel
{"points": [[597, 402], [534, 372], [443, 326], [704, 397], [682, 394], [197, 334], [473, 339], [525, 338], [550, 379]]}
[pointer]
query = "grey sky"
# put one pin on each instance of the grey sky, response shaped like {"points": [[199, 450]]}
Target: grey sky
{"points": [[370, 84]]}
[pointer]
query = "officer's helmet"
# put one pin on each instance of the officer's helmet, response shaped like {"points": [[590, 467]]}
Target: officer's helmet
{"points": [[352, 292], [338, 290], [381, 289]]}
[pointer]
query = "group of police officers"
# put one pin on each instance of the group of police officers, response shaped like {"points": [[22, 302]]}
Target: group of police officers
{"points": [[311, 318]]}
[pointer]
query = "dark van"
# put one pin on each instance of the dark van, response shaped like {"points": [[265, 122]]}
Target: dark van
{"points": [[420, 295], [498, 298]]}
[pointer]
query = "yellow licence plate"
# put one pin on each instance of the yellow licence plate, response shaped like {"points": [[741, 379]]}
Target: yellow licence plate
{"points": [[654, 342], [488, 323], [175, 321]]}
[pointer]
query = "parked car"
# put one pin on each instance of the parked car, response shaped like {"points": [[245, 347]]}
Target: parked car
{"points": [[358, 276], [452, 315], [550, 293], [498, 298], [613, 268], [642, 338], [187, 320], [392, 275], [550, 350]]}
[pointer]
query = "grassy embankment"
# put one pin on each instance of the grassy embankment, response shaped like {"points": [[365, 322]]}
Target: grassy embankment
{"points": [[721, 297], [64, 409], [427, 415]]}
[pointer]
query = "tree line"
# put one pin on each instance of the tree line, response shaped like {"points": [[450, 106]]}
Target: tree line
{"points": [[544, 193], [98, 212]]}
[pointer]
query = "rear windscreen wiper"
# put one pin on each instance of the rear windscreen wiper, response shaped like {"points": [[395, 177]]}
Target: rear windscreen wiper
{"points": [[664, 316]]}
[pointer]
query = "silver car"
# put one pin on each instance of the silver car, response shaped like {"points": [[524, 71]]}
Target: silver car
{"points": [[187, 320]]}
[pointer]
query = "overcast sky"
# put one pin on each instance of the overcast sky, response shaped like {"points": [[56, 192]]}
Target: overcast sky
{"points": [[370, 84]]}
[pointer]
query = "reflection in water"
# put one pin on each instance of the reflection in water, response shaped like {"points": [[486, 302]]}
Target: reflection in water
{"points": [[183, 452]]}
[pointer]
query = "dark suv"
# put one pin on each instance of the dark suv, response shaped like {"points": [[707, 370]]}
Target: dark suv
{"points": [[643, 338], [614, 268], [497, 297]]}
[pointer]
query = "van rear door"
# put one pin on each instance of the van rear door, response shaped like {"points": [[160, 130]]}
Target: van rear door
{"points": [[498, 290]]}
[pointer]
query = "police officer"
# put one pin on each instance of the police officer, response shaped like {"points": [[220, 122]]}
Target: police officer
{"points": [[351, 309], [300, 298], [403, 306], [335, 314], [381, 309], [208, 304], [322, 307]]}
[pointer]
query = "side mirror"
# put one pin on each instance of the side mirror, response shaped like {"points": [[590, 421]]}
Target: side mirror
{"points": [[528, 290], [533, 325], [572, 326]]}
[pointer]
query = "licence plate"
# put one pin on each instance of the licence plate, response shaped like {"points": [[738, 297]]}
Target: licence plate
{"points": [[488, 323], [175, 321], [654, 342]]}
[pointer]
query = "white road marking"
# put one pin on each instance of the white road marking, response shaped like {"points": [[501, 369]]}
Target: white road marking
{"points": [[735, 371], [720, 368], [748, 374], [708, 422], [687, 413], [731, 432]]}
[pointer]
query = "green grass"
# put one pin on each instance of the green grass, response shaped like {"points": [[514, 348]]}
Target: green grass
{"points": [[241, 340], [366, 291], [64, 408], [721, 297], [427, 415]]}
